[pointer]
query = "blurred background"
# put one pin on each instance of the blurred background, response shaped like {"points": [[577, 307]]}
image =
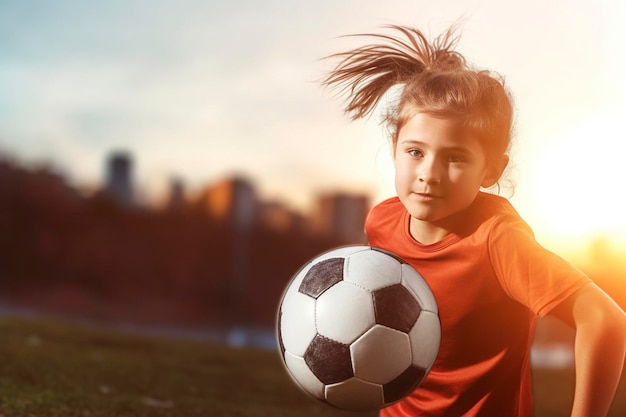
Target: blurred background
{"points": [[171, 164]]}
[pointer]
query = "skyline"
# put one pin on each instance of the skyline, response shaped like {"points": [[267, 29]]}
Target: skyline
{"points": [[202, 90]]}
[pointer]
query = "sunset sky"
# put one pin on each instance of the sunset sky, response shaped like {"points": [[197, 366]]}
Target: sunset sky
{"points": [[203, 89]]}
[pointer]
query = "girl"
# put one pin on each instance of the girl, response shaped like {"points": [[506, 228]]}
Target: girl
{"points": [[450, 132]]}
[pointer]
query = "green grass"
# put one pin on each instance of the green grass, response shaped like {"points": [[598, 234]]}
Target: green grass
{"points": [[51, 368]]}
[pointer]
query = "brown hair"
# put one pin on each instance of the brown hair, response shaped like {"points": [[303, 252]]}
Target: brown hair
{"points": [[436, 80]]}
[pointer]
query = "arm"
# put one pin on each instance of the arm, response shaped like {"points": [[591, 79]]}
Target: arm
{"points": [[599, 348]]}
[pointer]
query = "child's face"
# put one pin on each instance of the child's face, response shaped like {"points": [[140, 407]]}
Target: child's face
{"points": [[439, 166]]}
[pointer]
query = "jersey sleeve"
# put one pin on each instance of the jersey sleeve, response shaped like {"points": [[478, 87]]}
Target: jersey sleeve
{"points": [[529, 273], [382, 222]]}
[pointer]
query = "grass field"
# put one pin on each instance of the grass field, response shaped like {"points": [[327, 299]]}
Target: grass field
{"points": [[51, 368]]}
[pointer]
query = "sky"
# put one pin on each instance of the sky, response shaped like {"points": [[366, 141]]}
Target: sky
{"points": [[201, 90]]}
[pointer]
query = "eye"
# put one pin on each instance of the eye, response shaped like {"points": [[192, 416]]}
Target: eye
{"points": [[457, 158], [416, 153]]}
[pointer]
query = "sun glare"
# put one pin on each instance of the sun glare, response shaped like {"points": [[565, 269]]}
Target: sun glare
{"points": [[578, 180]]}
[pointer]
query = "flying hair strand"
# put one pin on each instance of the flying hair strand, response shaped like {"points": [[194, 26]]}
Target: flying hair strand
{"points": [[366, 73]]}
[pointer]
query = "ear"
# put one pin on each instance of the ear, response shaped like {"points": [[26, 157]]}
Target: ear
{"points": [[494, 172]]}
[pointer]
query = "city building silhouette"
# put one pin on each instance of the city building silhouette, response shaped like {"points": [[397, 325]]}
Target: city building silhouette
{"points": [[176, 199], [343, 215], [233, 200], [119, 177], [279, 217]]}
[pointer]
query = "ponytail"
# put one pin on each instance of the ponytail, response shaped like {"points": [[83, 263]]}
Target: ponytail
{"points": [[365, 74]]}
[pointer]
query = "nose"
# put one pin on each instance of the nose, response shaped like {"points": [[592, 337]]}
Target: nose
{"points": [[429, 171]]}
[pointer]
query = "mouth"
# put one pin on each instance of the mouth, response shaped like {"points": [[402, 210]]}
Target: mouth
{"points": [[426, 196]]}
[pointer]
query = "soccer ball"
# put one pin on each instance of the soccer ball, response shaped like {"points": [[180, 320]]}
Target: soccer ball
{"points": [[358, 328]]}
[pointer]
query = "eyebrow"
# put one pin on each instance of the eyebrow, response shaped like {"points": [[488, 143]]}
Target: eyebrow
{"points": [[457, 149]]}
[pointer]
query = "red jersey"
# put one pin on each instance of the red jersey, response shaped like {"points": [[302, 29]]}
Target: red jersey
{"points": [[491, 279]]}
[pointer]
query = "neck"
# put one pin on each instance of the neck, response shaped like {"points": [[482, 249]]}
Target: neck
{"points": [[428, 233]]}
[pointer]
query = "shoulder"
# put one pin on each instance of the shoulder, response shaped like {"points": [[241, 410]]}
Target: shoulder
{"points": [[491, 212], [494, 205], [385, 217], [487, 214], [392, 204], [385, 210]]}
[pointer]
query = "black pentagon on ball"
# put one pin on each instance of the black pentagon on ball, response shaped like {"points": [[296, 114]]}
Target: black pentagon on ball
{"points": [[330, 361], [403, 385], [395, 307], [321, 277]]}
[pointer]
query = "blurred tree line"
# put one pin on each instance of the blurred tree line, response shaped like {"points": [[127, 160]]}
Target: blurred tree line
{"points": [[66, 252]]}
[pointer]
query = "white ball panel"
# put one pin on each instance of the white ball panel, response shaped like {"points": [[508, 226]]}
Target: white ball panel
{"points": [[291, 297], [341, 252], [301, 373], [344, 312], [425, 338], [355, 394], [416, 284], [297, 323], [381, 354], [372, 270], [294, 285]]}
